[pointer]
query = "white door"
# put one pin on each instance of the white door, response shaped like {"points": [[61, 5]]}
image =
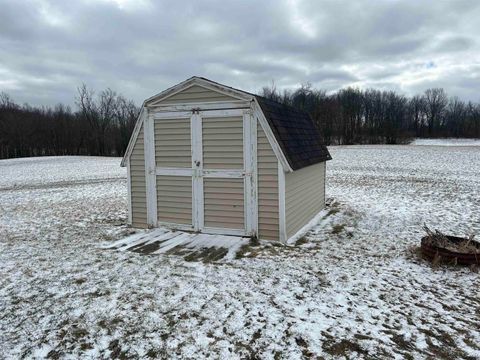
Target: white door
{"points": [[218, 162], [173, 159], [223, 174]]}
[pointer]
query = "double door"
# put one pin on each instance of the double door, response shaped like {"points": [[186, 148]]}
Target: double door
{"points": [[205, 171]]}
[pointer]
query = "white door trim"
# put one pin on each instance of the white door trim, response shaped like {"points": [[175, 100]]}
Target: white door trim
{"points": [[197, 167], [221, 113], [174, 171], [250, 165], [281, 204], [213, 173], [172, 115], [245, 114], [206, 105], [223, 231], [157, 115], [129, 192], [223, 173], [150, 173]]}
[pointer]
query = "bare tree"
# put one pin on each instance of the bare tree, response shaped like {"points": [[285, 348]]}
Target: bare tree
{"points": [[436, 103], [417, 114], [455, 114], [103, 123]]}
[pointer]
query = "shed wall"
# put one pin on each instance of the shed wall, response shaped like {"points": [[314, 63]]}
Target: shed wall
{"points": [[304, 196], [219, 140], [267, 165], [196, 94], [137, 182]]}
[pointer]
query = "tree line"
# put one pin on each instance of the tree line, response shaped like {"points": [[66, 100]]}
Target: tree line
{"points": [[102, 123], [354, 116]]}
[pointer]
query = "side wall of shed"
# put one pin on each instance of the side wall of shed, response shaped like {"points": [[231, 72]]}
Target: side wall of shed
{"points": [[304, 196], [137, 182], [267, 167]]}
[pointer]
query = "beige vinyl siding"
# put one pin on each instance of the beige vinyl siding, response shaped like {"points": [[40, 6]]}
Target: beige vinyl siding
{"points": [[224, 203], [222, 143], [172, 143], [174, 195], [138, 190], [267, 164], [195, 94], [304, 196]]}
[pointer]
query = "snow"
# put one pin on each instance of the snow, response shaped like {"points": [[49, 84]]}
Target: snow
{"points": [[177, 242], [307, 227], [446, 142], [351, 288], [29, 172]]}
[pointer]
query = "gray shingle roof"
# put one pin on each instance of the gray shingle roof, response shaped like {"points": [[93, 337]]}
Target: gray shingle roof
{"points": [[296, 134]]}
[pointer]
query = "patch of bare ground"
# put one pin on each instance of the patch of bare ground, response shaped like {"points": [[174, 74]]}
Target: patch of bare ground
{"points": [[343, 347]]}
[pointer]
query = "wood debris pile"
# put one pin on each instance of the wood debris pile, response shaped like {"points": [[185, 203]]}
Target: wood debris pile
{"points": [[440, 240]]}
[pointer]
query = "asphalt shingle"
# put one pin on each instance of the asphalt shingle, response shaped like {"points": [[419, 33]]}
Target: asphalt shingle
{"points": [[296, 134]]}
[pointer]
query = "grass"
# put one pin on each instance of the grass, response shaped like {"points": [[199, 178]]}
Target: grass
{"points": [[338, 228], [249, 250], [303, 240]]}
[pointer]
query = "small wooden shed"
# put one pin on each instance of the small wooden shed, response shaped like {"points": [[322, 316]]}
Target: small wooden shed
{"points": [[209, 158]]}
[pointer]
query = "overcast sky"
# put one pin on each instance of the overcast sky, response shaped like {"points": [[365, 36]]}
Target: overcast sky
{"points": [[138, 48]]}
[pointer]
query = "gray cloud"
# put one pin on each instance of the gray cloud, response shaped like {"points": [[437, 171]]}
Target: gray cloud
{"points": [[48, 48]]}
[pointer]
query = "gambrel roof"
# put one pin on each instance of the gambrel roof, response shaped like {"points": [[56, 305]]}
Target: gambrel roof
{"points": [[294, 131]]}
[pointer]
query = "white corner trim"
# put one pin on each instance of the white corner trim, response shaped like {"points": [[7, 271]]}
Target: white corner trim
{"points": [[250, 180], [254, 130], [271, 137], [281, 204], [324, 182], [254, 172], [150, 171], [129, 193]]}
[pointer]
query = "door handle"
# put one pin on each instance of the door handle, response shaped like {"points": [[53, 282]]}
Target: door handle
{"points": [[197, 163]]}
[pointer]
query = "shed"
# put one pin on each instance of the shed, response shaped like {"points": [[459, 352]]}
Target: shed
{"points": [[210, 158]]}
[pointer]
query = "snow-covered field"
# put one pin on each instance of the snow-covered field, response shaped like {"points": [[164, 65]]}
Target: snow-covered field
{"points": [[351, 288], [446, 142]]}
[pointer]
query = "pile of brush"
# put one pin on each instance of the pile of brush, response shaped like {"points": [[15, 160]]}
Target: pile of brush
{"points": [[460, 245]]}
